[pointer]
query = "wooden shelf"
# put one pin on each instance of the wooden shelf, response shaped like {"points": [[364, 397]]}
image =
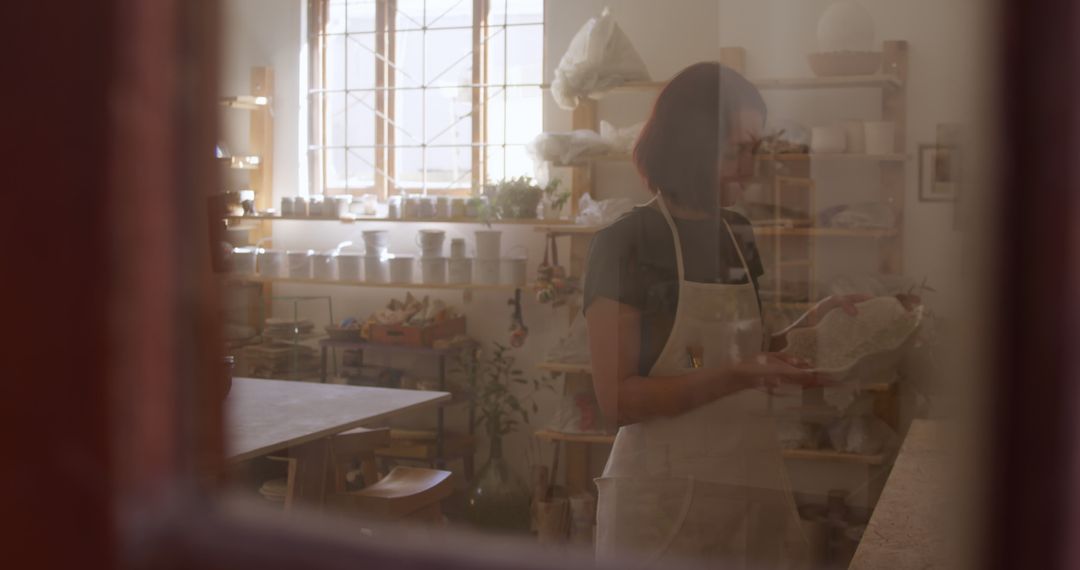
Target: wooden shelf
{"points": [[251, 162], [348, 219], [248, 102], [566, 367], [758, 231], [551, 435], [840, 82], [444, 286], [831, 157], [829, 455]]}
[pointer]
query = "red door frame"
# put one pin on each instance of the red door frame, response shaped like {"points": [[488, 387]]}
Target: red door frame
{"points": [[113, 297]]}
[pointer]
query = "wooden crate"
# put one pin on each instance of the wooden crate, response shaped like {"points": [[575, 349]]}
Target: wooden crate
{"points": [[402, 335]]}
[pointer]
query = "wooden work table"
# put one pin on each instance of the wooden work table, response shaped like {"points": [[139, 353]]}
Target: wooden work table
{"points": [[296, 419], [907, 529]]}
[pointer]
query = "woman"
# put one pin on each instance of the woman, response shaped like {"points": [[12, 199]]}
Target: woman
{"points": [[677, 345]]}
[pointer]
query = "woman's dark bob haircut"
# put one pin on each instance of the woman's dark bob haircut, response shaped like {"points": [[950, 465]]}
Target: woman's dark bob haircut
{"points": [[679, 149]]}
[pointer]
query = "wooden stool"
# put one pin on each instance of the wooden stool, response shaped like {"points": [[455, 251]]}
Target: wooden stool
{"points": [[406, 493]]}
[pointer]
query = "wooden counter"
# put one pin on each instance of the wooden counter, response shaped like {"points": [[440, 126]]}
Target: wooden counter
{"points": [[907, 529]]}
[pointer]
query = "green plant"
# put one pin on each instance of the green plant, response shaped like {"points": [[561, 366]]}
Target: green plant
{"points": [[517, 198], [493, 381], [555, 198]]}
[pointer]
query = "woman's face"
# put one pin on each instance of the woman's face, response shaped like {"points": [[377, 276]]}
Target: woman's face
{"points": [[737, 160]]}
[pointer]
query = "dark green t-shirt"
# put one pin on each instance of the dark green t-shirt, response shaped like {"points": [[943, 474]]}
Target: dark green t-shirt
{"points": [[632, 261]]}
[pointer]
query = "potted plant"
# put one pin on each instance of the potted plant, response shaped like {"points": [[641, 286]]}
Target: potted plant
{"points": [[554, 199], [497, 498], [516, 198]]}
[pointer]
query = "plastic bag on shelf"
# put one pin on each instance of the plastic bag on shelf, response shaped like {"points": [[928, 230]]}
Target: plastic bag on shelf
{"points": [[620, 140], [574, 347], [599, 58], [568, 148], [867, 215], [601, 212]]}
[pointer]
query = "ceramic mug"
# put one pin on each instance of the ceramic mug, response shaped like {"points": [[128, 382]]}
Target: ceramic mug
{"points": [[457, 248], [299, 264], [431, 242], [375, 269], [433, 270], [828, 140], [488, 244], [324, 266], [486, 271], [376, 242], [271, 262], [243, 260], [348, 266], [459, 270], [514, 271], [401, 269]]}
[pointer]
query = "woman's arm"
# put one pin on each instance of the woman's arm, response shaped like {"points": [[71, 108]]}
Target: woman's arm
{"points": [[627, 397]]}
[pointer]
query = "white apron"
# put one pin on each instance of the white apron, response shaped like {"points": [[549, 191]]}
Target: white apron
{"points": [[709, 485]]}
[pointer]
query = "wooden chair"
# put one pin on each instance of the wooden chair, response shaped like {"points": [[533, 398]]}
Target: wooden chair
{"points": [[421, 446], [406, 493]]}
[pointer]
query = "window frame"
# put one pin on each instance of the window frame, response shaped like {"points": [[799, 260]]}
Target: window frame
{"points": [[385, 107]]}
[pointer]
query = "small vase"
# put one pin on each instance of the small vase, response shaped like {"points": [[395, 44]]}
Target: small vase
{"points": [[498, 499]]}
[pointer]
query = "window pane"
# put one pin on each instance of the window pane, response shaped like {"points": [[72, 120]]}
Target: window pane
{"points": [[495, 44], [449, 119], [335, 17], [361, 119], [361, 17], [449, 13], [409, 59], [335, 120], [361, 64], [495, 164], [449, 57], [361, 168], [523, 106], [517, 11], [335, 168], [408, 169], [449, 167], [518, 162], [410, 15], [496, 111], [408, 124], [335, 63], [526, 46]]}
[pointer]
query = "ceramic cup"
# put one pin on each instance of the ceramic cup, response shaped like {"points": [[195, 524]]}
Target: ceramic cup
{"points": [[457, 208], [300, 207], [457, 248], [431, 242], [376, 242], [375, 270], [401, 269], [286, 206], [442, 207], [299, 264], [324, 266], [880, 137], [486, 271], [488, 244], [433, 270], [243, 260], [828, 140], [348, 267], [271, 262], [459, 270], [855, 134], [315, 207], [393, 207], [514, 271]]}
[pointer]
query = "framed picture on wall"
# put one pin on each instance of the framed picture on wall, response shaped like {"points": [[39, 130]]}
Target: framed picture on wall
{"points": [[939, 173]]}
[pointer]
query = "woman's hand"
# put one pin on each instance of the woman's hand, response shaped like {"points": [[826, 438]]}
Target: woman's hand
{"points": [[770, 370]]}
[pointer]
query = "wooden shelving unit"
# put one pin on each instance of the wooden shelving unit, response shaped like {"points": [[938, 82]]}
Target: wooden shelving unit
{"points": [[367, 284], [349, 219]]}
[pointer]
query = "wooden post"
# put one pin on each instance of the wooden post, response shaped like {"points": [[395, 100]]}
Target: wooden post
{"points": [[894, 109]]}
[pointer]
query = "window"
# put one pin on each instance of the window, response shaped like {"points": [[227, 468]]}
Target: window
{"points": [[422, 96]]}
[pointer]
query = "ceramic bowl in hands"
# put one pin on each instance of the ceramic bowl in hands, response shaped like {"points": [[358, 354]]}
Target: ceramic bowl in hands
{"points": [[851, 347]]}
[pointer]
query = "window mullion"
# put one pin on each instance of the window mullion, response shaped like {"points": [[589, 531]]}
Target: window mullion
{"points": [[479, 94], [383, 15]]}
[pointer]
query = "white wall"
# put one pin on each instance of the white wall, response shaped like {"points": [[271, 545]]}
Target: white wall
{"points": [[669, 34]]}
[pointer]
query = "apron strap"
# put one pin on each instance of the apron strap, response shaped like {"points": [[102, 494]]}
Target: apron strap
{"points": [[678, 243]]}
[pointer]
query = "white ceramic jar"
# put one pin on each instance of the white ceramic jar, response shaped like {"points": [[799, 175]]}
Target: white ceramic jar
{"points": [[514, 271], [299, 264], [433, 270], [488, 244], [324, 266], [459, 270], [486, 271], [401, 269], [271, 263], [348, 267], [375, 270]]}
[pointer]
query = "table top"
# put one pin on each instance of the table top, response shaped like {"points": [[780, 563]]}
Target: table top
{"points": [[907, 530], [263, 416]]}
